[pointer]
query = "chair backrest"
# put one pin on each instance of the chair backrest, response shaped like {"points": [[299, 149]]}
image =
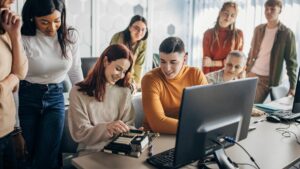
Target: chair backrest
{"points": [[87, 64], [67, 145], [138, 108], [277, 92]]}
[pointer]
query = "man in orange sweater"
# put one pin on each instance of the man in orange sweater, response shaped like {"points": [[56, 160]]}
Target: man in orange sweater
{"points": [[162, 87]]}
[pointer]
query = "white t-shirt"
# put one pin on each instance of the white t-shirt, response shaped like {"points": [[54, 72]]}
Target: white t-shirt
{"points": [[45, 61], [262, 64]]}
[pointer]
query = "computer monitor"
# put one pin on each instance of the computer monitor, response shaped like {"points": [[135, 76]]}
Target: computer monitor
{"points": [[87, 64], [208, 114], [296, 103]]}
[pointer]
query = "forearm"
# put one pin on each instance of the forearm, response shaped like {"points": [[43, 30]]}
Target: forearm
{"points": [[165, 125], [10, 81], [20, 62]]}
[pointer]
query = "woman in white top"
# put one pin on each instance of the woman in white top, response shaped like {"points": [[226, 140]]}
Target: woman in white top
{"points": [[52, 52], [100, 106]]}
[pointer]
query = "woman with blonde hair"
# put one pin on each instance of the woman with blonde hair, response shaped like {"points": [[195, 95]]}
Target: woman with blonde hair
{"points": [[221, 39]]}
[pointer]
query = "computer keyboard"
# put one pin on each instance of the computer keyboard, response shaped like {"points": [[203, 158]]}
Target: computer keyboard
{"points": [[286, 115], [163, 160]]}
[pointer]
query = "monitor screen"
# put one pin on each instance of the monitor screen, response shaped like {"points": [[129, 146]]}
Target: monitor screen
{"points": [[209, 113], [296, 104]]}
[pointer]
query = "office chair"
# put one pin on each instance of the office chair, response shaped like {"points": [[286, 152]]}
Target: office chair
{"points": [[277, 92], [68, 147], [87, 64], [138, 108]]}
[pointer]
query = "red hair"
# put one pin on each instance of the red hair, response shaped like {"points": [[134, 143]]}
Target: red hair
{"points": [[95, 82]]}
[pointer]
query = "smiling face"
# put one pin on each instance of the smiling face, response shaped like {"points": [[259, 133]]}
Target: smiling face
{"points": [[227, 16], [137, 31], [171, 64], [115, 70], [234, 65], [49, 24]]}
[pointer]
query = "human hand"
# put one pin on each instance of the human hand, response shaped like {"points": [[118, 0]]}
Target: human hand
{"points": [[207, 61], [291, 92], [256, 112], [242, 75], [116, 127], [10, 22], [20, 146]]}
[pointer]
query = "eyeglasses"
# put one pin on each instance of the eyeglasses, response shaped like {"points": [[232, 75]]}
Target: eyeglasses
{"points": [[138, 29]]}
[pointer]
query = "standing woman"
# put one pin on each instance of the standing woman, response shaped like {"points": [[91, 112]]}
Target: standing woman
{"points": [[221, 39], [134, 37], [13, 67], [52, 52]]}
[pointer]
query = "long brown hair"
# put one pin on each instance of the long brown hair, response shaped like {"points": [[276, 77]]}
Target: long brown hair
{"points": [[233, 36], [95, 82]]}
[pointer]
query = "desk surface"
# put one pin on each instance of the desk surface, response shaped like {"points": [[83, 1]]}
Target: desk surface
{"points": [[267, 146]]}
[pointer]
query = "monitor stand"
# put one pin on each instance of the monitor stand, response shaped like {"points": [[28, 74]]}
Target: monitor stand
{"points": [[222, 160]]}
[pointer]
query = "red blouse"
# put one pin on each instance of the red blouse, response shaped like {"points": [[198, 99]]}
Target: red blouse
{"points": [[219, 52]]}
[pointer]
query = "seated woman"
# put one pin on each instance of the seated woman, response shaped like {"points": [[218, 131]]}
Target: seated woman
{"points": [[100, 105], [162, 87], [235, 64]]}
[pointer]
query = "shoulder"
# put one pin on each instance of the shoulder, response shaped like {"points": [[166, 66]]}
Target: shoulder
{"points": [[153, 77], [285, 29], [193, 70], [118, 35], [239, 31], [260, 27], [209, 32]]}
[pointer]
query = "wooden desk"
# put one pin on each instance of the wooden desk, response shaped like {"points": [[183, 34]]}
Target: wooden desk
{"points": [[267, 146]]}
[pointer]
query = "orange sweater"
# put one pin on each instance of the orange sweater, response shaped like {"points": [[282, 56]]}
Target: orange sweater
{"points": [[162, 97], [219, 52]]}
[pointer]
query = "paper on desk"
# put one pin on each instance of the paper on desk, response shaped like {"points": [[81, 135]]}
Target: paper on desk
{"points": [[285, 103]]}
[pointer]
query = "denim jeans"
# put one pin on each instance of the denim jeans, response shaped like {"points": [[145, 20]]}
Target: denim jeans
{"points": [[42, 113], [7, 153]]}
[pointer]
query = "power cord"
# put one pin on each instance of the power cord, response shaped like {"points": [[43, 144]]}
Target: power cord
{"points": [[231, 140], [287, 133]]}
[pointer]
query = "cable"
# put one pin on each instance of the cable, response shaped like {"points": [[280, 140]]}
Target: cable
{"points": [[231, 140], [287, 133], [247, 164]]}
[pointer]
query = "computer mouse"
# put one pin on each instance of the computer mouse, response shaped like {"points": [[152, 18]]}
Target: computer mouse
{"points": [[273, 119]]}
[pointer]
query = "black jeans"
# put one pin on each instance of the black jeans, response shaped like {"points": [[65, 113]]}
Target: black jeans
{"points": [[7, 153]]}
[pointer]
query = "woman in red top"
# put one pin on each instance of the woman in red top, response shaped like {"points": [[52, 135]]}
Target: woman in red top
{"points": [[221, 39]]}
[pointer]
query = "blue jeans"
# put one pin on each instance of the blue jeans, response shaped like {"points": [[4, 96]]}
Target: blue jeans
{"points": [[42, 113], [7, 153]]}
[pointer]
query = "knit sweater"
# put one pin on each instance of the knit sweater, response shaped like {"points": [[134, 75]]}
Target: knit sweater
{"points": [[87, 117], [162, 97], [11, 69]]}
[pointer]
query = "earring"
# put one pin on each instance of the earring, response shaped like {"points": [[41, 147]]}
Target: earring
{"points": [[31, 19]]}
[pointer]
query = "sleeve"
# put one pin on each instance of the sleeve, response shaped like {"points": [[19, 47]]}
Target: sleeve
{"points": [[20, 61], [202, 79], [240, 41], [290, 57], [81, 128], [127, 109], [75, 72], [153, 108], [139, 63], [211, 78], [250, 54], [206, 49]]}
